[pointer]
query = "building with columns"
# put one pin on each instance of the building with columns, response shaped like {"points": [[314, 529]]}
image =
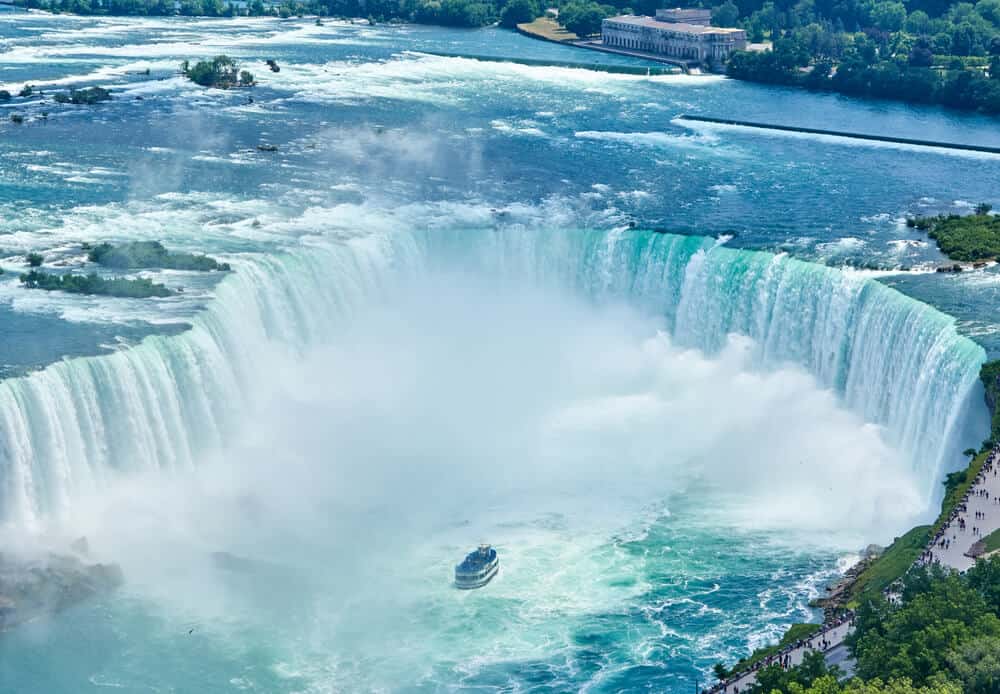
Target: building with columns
{"points": [[682, 34]]}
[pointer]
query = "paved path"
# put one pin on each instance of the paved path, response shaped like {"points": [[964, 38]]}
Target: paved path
{"points": [[833, 635], [950, 546]]}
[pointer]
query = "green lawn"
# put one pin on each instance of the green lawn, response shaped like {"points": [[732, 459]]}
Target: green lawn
{"points": [[891, 565], [547, 28], [992, 541]]}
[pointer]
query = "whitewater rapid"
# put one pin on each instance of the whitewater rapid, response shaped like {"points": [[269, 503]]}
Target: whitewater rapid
{"points": [[75, 426]]}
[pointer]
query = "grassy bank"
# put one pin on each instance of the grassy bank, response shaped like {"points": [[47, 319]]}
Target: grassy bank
{"points": [[893, 563], [548, 29], [796, 632]]}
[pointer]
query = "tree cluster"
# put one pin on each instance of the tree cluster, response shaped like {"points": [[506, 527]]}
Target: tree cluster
{"points": [[138, 288], [926, 51], [221, 72], [150, 254]]}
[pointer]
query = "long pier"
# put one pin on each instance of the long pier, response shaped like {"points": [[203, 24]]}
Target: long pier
{"points": [[617, 69], [841, 133]]}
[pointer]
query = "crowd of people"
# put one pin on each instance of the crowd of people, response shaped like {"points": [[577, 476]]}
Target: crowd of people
{"points": [[823, 640], [949, 532]]}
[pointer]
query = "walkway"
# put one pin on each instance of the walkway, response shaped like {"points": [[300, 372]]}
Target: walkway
{"points": [[950, 546], [829, 641]]}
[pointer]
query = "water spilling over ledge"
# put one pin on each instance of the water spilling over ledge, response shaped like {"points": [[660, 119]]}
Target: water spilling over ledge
{"points": [[76, 425]]}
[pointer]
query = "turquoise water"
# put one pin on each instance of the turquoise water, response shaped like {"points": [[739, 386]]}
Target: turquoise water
{"points": [[440, 331]]}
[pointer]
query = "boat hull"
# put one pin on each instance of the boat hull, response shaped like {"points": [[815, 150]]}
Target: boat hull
{"points": [[479, 583]]}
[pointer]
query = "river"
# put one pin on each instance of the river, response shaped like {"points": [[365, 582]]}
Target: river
{"points": [[441, 329]]}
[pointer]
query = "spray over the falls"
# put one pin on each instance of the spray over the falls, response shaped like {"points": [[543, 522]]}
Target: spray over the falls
{"points": [[73, 427]]}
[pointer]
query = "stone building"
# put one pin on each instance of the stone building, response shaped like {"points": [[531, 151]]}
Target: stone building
{"points": [[682, 34]]}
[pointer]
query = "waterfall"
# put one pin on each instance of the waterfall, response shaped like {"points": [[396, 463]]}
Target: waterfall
{"points": [[73, 426]]}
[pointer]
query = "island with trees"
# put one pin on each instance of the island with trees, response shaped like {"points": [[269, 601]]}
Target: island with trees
{"points": [[221, 72], [88, 96], [150, 254], [94, 284], [967, 238]]}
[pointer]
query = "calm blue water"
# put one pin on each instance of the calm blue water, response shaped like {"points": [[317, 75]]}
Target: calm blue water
{"points": [[374, 139]]}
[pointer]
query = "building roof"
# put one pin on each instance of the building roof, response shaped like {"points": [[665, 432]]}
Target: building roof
{"points": [[677, 12], [681, 27]]}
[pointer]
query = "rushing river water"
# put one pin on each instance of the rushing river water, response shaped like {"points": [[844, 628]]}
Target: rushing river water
{"points": [[440, 330]]}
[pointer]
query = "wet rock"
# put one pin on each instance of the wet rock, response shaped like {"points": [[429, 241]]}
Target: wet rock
{"points": [[36, 588]]}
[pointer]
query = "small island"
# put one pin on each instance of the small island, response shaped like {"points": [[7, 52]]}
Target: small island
{"points": [[966, 238], [138, 288], [221, 72], [85, 97], [150, 254]]}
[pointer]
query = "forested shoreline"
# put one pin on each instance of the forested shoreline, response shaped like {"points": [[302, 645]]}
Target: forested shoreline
{"points": [[920, 51]]}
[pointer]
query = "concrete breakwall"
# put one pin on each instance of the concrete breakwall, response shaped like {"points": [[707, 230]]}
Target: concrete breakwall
{"points": [[617, 69], [841, 133]]}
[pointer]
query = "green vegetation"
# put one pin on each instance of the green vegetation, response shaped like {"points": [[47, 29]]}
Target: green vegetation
{"points": [[519, 12], [221, 72], [964, 237], [90, 95], [35, 259], [893, 563], [139, 288], [926, 51], [584, 17], [942, 614], [991, 543], [150, 254], [547, 28]]}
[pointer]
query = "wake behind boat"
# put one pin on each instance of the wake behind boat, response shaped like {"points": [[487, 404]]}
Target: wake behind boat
{"points": [[477, 569]]}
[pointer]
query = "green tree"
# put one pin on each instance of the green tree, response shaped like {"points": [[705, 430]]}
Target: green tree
{"points": [[584, 18], [726, 15], [888, 16], [519, 12], [976, 665]]}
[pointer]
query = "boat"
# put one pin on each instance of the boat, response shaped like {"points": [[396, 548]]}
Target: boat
{"points": [[478, 568]]}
